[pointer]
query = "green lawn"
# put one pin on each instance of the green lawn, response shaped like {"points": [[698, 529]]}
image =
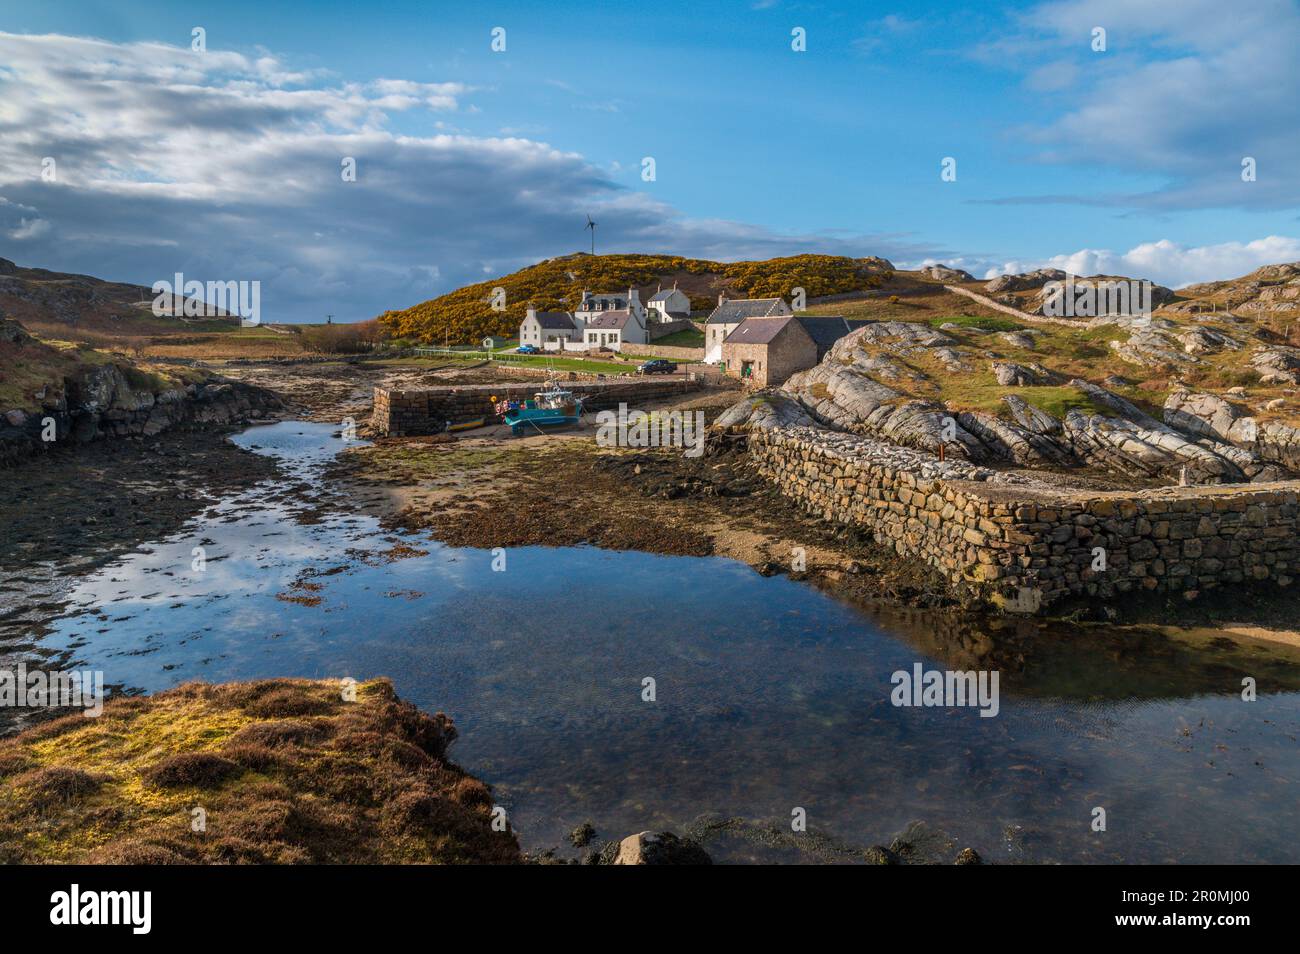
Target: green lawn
{"points": [[983, 322], [689, 338]]}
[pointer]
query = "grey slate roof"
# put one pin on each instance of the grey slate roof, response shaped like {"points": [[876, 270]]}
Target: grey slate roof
{"points": [[825, 330], [555, 320], [663, 295], [610, 320], [730, 312], [757, 330]]}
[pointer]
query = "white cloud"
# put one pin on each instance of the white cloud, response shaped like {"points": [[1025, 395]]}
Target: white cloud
{"points": [[227, 167], [1166, 262], [1183, 92]]}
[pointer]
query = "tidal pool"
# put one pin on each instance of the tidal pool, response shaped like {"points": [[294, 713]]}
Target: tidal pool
{"points": [[769, 695]]}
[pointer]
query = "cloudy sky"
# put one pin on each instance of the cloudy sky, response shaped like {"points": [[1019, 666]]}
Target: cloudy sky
{"points": [[225, 163]]}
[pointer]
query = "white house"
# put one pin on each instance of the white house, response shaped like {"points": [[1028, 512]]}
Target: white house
{"points": [[540, 327], [669, 305], [729, 314], [593, 306], [613, 329]]}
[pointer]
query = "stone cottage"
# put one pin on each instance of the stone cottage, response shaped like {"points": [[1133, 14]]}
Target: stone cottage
{"points": [[766, 351], [729, 314]]}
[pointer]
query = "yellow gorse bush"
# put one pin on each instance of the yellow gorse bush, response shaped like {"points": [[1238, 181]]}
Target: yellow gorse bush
{"points": [[466, 314]]}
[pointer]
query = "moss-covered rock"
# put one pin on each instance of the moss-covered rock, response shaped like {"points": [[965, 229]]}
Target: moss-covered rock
{"points": [[276, 771]]}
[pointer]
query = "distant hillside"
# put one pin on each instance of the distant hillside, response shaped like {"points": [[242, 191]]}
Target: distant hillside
{"points": [[1270, 294], [64, 304], [466, 314]]}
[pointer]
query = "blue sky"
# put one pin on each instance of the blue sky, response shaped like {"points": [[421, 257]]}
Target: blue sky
{"points": [[224, 164]]}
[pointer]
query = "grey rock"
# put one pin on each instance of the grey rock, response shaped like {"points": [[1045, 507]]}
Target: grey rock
{"points": [[1205, 415]]}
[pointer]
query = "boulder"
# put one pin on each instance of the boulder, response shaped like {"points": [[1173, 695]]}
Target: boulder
{"points": [[1018, 339], [943, 273], [1011, 374], [660, 848]]}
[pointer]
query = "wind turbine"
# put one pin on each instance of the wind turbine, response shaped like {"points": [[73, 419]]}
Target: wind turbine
{"points": [[592, 225]]}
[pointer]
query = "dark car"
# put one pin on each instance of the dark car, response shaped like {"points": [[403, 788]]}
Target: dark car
{"points": [[657, 366]]}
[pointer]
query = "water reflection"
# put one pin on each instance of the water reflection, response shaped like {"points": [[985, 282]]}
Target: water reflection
{"points": [[770, 695]]}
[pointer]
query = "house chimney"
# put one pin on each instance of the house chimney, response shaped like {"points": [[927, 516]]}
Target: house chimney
{"points": [[532, 312], [722, 298]]}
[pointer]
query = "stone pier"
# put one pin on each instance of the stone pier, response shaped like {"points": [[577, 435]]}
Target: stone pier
{"points": [[1023, 544], [408, 413]]}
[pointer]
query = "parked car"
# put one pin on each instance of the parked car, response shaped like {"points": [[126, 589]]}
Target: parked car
{"points": [[657, 366], [528, 349]]}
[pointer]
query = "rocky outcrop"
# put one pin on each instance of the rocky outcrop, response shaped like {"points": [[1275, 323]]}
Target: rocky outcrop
{"points": [[1016, 443], [104, 404], [1206, 341], [763, 410], [1101, 296], [841, 397], [1206, 415], [942, 273], [1277, 364], [1272, 291], [1273, 442], [12, 332], [1129, 448], [1152, 348], [861, 387], [1024, 281], [900, 337]]}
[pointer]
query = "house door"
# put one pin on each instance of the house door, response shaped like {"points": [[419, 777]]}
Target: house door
{"points": [[746, 368]]}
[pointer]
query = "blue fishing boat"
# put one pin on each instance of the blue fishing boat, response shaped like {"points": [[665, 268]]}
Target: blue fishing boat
{"points": [[550, 408]]}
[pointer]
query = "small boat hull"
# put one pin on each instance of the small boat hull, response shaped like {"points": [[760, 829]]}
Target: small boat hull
{"points": [[526, 419], [468, 425]]}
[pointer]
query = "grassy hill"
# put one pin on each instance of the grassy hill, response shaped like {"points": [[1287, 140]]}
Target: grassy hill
{"points": [[466, 315], [85, 308], [31, 367]]}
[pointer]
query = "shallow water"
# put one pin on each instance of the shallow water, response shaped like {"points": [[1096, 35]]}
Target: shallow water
{"points": [[770, 696]]}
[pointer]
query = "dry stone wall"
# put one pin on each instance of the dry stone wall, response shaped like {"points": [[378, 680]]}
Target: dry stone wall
{"points": [[1024, 545], [402, 413], [676, 352]]}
